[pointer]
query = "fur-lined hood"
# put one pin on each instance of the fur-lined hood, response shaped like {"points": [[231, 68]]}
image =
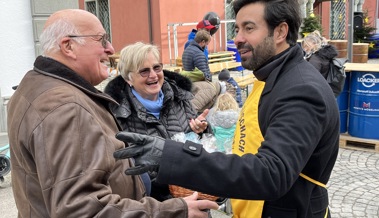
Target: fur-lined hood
{"points": [[327, 52], [114, 86]]}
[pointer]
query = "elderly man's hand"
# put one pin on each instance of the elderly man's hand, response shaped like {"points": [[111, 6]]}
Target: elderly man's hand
{"points": [[199, 208], [146, 151]]}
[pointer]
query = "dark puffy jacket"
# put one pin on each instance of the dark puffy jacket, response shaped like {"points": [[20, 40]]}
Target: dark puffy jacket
{"points": [[193, 56], [174, 117], [321, 58], [191, 37]]}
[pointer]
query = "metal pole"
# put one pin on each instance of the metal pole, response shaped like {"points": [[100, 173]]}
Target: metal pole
{"points": [[350, 30], [149, 17], [169, 42], [220, 37], [175, 41]]}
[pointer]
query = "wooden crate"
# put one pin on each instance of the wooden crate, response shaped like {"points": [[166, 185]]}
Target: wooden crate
{"points": [[175, 69], [222, 56], [217, 61], [244, 82], [350, 142]]}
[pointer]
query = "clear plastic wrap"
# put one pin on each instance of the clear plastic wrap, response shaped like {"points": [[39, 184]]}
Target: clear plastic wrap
{"points": [[208, 140]]}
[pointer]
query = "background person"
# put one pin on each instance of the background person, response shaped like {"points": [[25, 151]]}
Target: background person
{"points": [[152, 101], [231, 86], [318, 52], [195, 63], [205, 94], [288, 140], [202, 25], [62, 133]]}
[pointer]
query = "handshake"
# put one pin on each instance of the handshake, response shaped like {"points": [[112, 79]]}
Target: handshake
{"points": [[146, 151]]}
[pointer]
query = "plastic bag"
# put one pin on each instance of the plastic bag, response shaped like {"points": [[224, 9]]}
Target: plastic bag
{"points": [[208, 140]]}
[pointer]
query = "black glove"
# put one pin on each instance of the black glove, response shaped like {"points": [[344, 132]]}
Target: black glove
{"points": [[146, 151]]}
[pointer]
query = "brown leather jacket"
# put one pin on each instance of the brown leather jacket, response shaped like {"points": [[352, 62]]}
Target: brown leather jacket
{"points": [[62, 139]]}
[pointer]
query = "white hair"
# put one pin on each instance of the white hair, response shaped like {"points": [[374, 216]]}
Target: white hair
{"points": [[53, 33]]}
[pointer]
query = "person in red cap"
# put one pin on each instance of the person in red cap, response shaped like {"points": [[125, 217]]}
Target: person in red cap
{"points": [[202, 25]]}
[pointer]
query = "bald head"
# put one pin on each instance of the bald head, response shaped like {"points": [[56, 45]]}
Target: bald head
{"points": [[77, 39], [77, 17], [63, 23]]}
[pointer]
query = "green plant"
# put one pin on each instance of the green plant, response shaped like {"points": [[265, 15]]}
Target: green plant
{"points": [[363, 35], [310, 24]]}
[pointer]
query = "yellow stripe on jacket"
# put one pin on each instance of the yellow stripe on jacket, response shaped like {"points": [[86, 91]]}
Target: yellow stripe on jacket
{"points": [[247, 139]]}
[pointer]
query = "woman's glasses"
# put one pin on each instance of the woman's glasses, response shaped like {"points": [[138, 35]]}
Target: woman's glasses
{"points": [[145, 72]]}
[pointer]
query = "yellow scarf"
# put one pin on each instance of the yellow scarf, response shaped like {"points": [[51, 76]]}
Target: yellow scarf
{"points": [[247, 139]]}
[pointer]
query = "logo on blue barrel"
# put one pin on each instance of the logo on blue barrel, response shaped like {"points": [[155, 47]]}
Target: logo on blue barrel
{"points": [[368, 80]]}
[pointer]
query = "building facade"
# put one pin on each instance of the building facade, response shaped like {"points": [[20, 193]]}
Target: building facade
{"points": [[165, 23]]}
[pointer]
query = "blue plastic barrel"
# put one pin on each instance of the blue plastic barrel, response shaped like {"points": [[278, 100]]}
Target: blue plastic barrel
{"points": [[364, 105], [230, 46], [343, 104]]}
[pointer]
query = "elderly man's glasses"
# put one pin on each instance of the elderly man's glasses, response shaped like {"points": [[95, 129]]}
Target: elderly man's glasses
{"points": [[145, 72], [103, 38]]}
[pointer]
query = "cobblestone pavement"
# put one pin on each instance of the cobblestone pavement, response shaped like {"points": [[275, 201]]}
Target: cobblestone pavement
{"points": [[354, 185]]}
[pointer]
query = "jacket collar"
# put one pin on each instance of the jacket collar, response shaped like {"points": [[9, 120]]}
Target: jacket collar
{"points": [[56, 69], [115, 88], [278, 65], [194, 43], [327, 52], [53, 68], [173, 87]]}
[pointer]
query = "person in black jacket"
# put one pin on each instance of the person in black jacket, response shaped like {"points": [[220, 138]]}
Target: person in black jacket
{"points": [[318, 52], [152, 101], [287, 137]]}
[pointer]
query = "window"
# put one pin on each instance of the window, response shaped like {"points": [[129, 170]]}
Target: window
{"points": [[100, 8]]}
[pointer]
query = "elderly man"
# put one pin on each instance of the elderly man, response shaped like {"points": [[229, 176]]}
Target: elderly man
{"points": [[61, 133]]}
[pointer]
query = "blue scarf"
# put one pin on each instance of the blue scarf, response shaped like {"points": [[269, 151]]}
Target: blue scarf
{"points": [[153, 107]]}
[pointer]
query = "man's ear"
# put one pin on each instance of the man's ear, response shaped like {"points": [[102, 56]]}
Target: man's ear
{"points": [[281, 32], [67, 47]]}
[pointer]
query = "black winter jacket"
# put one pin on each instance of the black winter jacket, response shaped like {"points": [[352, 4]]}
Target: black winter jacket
{"points": [[299, 120], [174, 117], [321, 59]]}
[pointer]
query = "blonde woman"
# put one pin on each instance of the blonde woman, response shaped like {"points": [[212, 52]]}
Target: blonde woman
{"points": [[318, 52], [152, 101]]}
